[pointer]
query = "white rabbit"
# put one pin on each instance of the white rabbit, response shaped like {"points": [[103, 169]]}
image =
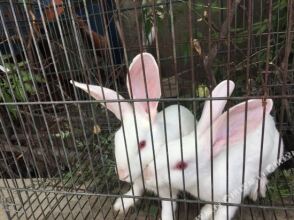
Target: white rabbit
{"points": [[217, 107], [129, 149], [188, 165]]}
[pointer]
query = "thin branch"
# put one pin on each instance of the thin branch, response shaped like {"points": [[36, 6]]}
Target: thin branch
{"points": [[209, 58], [285, 62]]}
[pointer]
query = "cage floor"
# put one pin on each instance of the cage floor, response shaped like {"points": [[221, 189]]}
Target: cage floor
{"points": [[27, 202]]}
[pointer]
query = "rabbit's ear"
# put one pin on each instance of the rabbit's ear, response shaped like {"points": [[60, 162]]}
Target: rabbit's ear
{"points": [[255, 109], [221, 90], [144, 67], [96, 93]]}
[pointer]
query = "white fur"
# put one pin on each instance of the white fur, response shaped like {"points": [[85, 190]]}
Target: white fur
{"points": [[163, 190], [253, 148], [138, 128]]}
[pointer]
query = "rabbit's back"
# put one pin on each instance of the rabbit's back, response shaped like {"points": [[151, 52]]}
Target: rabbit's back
{"points": [[268, 144]]}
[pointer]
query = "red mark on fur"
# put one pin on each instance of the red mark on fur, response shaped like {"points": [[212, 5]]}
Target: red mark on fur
{"points": [[181, 165], [142, 144]]}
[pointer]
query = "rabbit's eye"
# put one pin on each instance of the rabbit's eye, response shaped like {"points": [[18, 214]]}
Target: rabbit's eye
{"points": [[181, 165], [142, 144]]}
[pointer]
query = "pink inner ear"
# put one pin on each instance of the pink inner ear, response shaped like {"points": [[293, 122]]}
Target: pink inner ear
{"points": [[96, 92], [217, 105], [237, 123], [136, 76]]}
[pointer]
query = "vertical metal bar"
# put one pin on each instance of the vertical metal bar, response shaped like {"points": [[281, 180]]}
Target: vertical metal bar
{"points": [[193, 74], [22, 87], [42, 68], [38, 137], [249, 31], [48, 89], [284, 72], [174, 57], [163, 108], [12, 177], [131, 90], [208, 3], [146, 92], [265, 90], [18, 144], [229, 10], [85, 67], [18, 73], [122, 35], [134, 113], [59, 83]]}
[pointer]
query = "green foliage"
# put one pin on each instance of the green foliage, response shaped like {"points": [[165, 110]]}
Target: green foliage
{"points": [[16, 85], [201, 10], [281, 184], [102, 154], [153, 211], [261, 53], [148, 15], [106, 140], [62, 134], [261, 28], [202, 91]]}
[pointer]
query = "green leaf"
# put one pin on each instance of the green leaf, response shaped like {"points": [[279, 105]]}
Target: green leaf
{"points": [[199, 35], [21, 64], [12, 110], [39, 78], [25, 76], [202, 91], [19, 94], [153, 210], [4, 85], [262, 28], [6, 97], [186, 52], [29, 88]]}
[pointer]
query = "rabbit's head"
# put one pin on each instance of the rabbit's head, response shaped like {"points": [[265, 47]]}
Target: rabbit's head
{"points": [[195, 159], [134, 136]]}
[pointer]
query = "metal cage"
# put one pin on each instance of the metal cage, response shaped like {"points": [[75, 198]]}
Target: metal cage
{"points": [[57, 143]]}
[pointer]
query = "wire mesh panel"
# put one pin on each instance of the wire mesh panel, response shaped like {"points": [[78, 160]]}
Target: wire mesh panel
{"points": [[146, 109]]}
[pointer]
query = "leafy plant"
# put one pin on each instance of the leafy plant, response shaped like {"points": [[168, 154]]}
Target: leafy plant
{"points": [[260, 29], [16, 85], [281, 184], [62, 134], [150, 18]]}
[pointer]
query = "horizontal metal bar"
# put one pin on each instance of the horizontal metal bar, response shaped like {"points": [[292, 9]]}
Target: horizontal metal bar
{"points": [[149, 198], [144, 100]]}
